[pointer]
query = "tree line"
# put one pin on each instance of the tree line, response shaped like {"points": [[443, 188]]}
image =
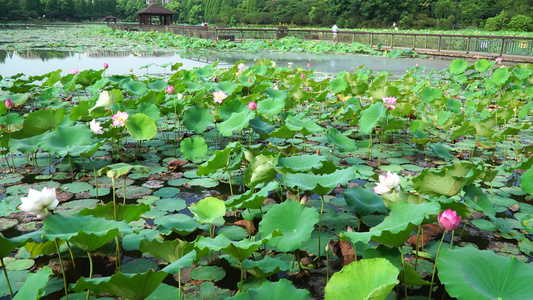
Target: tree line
{"points": [[446, 14]]}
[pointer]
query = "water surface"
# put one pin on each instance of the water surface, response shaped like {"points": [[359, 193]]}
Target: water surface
{"points": [[38, 62]]}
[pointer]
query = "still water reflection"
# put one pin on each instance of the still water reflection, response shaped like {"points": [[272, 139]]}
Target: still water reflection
{"points": [[38, 62]]}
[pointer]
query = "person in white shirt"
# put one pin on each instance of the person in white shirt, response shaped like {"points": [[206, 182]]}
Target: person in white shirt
{"points": [[334, 29]]}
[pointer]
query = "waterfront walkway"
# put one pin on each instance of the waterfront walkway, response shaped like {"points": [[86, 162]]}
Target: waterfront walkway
{"points": [[511, 49]]}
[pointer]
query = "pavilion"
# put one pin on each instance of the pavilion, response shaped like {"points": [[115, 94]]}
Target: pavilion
{"points": [[155, 10]]}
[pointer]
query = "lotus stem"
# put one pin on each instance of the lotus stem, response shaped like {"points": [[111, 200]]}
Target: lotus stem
{"points": [[71, 254], [117, 262], [451, 240], [7, 278], [242, 279], [62, 269], [12, 161], [327, 264], [71, 170], [95, 177], [417, 243], [403, 267], [90, 272], [320, 229], [379, 156], [179, 284], [124, 187], [435, 267], [35, 160]]}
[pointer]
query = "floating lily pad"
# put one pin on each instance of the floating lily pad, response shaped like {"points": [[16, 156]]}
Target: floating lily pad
{"points": [[170, 204], [134, 192], [139, 265], [11, 178], [208, 273], [204, 182], [166, 192], [76, 187]]}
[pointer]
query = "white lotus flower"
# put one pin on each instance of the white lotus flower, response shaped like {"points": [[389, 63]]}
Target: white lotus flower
{"points": [[38, 202], [95, 127], [387, 183]]}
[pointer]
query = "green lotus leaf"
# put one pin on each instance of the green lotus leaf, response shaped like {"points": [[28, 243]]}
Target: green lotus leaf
{"points": [[197, 119], [219, 160], [364, 201], [128, 212], [184, 262], [14, 264], [39, 122], [271, 106], [526, 181], [6, 247], [442, 151], [44, 247], [397, 227], [469, 273], [370, 117], [179, 223], [236, 122], [86, 232], [260, 170], [365, 279], [136, 88], [448, 181], [192, 148], [342, 142], [458, 66], [170, 251], [338, 85], [320, 184], [300, 163], [148, 109], [499, 76], [230, 107], [119, 169], [295, 221], [429, 94], [260, 126], [483, 65], [283, 133], [27, 145], [34, 285], [141, 127], [252, 199], [274, 290], [304, 126], [129, 286], [240, 250], [266, 267], [69, 140], [208, 210]]}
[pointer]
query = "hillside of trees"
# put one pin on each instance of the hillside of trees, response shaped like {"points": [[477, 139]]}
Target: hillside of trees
{"points": [[447, 14]]}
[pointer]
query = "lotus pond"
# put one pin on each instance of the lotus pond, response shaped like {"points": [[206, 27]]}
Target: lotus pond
{"points": [[263, 182]]}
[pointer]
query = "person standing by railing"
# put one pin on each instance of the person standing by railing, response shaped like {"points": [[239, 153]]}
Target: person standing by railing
{"points": [[334, 29]]}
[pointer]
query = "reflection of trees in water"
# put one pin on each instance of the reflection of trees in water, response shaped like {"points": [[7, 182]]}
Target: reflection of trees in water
{"points": [[107, 53], [3, 55], [202, 56], [43, 55]]}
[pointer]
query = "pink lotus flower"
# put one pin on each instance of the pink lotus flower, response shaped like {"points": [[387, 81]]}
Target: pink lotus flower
{"points": [[449, 219], [219, 96], [478, 56], [106, 66], [276, 87], [390, 102], [75, 71], [9, 104], [387, 183], [252, 105], [240, 67], [170, 89], [38, 202], [95, 127], [309, 65], [120, 118], [499, 59], [303, 75], [250, 79]]}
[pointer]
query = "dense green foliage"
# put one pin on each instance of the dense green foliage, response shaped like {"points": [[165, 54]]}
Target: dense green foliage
{"points": [[345, 13]]}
